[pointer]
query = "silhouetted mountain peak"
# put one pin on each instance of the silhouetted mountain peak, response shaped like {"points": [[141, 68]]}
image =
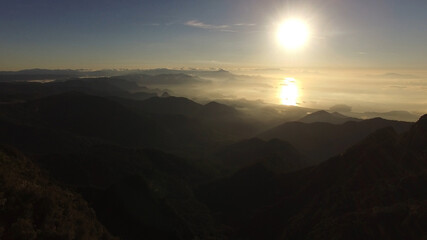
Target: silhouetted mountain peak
{"points": [[171, 99], [422, 121], [321, 113], [417, 136], [324, 116], [165, 94], [218, 108], [213, 103], [376, 119]]}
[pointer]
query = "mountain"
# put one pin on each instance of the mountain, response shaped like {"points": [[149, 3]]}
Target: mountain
{"points": [[37, 74], [219, 74], [231, 123], [323, 116], [219, 121], [73, 116], [159, 71], [235, 199], [169, 106], [32, 206], [275, 155], [374, 190], [137, 192], [72, 120], [321, 140], [165, 94], [393, 115], [35, 139], [93, 116], [10, 92], [164, 79], [100, 161], [217, 110], [105, 82]]}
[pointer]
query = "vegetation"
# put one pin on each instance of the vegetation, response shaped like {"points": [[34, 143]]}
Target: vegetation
{"points": [[34, 207]]}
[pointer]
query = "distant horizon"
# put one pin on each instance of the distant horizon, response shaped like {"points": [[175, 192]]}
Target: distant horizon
{"points": [[231, 68], [361, 89]]}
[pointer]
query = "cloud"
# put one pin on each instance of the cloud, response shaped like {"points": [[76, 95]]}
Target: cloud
{"points": [[268, 69], [340, 108], [244, 24], [397, 86], [199, 24], [394, 76], [224, 28]]}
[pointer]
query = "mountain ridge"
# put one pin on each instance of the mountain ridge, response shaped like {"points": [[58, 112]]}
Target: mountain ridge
{"points": [[320, 140]]}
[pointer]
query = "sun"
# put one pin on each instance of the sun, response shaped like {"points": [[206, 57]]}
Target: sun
{"points": [[292, 34]]}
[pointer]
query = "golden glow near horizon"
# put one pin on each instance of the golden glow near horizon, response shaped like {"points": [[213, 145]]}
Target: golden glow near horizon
{"points": [[292, 34], [289, 92]]}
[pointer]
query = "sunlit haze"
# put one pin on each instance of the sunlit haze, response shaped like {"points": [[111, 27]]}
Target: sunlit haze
{"points": [[289, 92]]}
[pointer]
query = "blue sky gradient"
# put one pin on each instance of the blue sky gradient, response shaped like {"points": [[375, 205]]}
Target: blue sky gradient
{"points": [[233, 33]]}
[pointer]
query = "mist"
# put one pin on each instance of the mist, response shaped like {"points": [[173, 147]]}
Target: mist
{"points": [[365, 90]]}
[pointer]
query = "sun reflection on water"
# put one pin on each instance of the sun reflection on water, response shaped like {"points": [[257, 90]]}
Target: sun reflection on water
{"points": [[289, 92]]}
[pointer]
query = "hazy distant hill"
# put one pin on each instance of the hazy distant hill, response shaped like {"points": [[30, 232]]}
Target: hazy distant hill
{"points": [[164, 79], [321, 140], [219, 74], [37, 74], [394, 115], [94, 86], [323, 116]]}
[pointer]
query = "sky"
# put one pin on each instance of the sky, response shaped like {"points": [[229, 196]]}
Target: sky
{"points": [[223, 33]]}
